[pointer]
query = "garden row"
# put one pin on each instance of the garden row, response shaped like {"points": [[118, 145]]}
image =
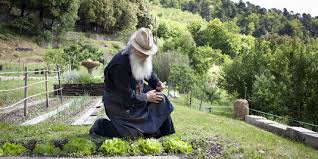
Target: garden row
{"points": [[79, 147]]}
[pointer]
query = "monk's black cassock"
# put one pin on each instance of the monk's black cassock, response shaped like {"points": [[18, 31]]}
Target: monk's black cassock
{"points": [[130, 113]]}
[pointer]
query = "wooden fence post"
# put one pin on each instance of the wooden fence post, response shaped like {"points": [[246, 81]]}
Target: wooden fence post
{"points": [[46, 88], [59, 79], [25, 90]]}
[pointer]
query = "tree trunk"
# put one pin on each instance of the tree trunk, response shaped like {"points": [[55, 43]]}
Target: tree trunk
{"points": [[22, 10], [41, 14]]}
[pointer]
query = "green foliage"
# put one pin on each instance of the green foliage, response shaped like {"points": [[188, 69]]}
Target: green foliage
{"points": [[183, 78], [176, 15], [23, 25], [110, 15], [1, 152], [279, 76], [183, 44], [79, 147], [55, 56], [12, 149], [46, 149], [176, 145], [170, 29], [165, 60], [72, 55], [77, 53], [134, 149], [114, 147], [150, 146], [87, 78]]}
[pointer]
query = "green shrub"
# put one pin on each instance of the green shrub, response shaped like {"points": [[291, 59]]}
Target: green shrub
{"points": [[1, 152], [11, 149], [71, 77], [46, 149], [86, 78], [176, 145], [114, 147], [149, 146], [79, 147]]}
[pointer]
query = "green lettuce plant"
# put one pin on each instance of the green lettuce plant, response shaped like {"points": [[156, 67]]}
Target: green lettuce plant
{"points": [[46, 149], [79, 147], [150, 146], [11, 149], [114, 146], [176, 145]]}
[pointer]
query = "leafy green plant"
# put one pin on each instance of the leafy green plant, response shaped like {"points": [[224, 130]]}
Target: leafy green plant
{"points": [[11, 149], [134, 149], [114, 146], [79, 147], [72, 76], [46, 149], [86, 78], [1, 152], [150, 146], [176, 145]]}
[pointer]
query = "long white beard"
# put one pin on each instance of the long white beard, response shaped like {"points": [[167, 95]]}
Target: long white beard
{"points": [[140, 69]]}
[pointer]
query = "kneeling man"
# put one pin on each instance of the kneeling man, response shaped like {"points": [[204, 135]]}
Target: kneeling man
{"points": [[135, 109]]}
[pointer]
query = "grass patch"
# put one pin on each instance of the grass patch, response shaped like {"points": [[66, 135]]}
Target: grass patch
{"points": [[11, 97], [236, 138]]}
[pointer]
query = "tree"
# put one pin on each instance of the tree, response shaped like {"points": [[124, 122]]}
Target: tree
{"points": [[110, 15]]}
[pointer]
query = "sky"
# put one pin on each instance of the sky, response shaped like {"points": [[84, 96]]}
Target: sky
{"points": [[297, 6]]}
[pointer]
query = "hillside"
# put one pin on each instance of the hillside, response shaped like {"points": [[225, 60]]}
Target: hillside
{"points": [[211, 136]]}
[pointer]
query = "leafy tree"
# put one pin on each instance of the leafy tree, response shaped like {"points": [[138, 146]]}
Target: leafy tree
{"points": [[110, 15]]}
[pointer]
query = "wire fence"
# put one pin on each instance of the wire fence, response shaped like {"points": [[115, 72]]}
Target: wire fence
{"points": [[26, 86], [285, 118]]}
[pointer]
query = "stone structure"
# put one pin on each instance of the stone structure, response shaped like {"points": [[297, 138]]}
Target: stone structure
{"points": [[241, 109]]}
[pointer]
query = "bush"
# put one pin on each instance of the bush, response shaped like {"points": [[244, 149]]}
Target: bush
{"points": [[176, 145], [23, 25], [46, 149], [149, 146], [86, 78], [79, 147], [115, 147], [11, 149], [1, 152], [75, 77], [45, 37], [72, 77]]}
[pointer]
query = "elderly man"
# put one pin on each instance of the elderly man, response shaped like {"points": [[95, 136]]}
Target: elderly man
{"points": [[134, 108]]}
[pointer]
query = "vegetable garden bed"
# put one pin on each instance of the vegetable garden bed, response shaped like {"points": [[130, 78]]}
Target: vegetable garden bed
{"points": [[92, 89]]}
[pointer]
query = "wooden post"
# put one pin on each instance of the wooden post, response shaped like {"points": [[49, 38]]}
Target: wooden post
{"points": [[25, 90], [59, 79], [46, 88]]}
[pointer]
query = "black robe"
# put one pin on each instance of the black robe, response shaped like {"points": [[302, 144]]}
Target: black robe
{"points": [[129, 112]]}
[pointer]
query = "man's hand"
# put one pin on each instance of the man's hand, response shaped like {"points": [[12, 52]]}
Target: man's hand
{"points": [[160, 86], [154, 97]]}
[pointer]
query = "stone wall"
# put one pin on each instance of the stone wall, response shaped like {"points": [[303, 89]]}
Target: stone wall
{"points": [[296, 133]]}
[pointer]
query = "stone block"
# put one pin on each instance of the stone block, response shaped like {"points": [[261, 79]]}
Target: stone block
{"points": [[241, 109], [264, 123], [252, 119], [277, 128], [311, 139], [297, 133]]}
